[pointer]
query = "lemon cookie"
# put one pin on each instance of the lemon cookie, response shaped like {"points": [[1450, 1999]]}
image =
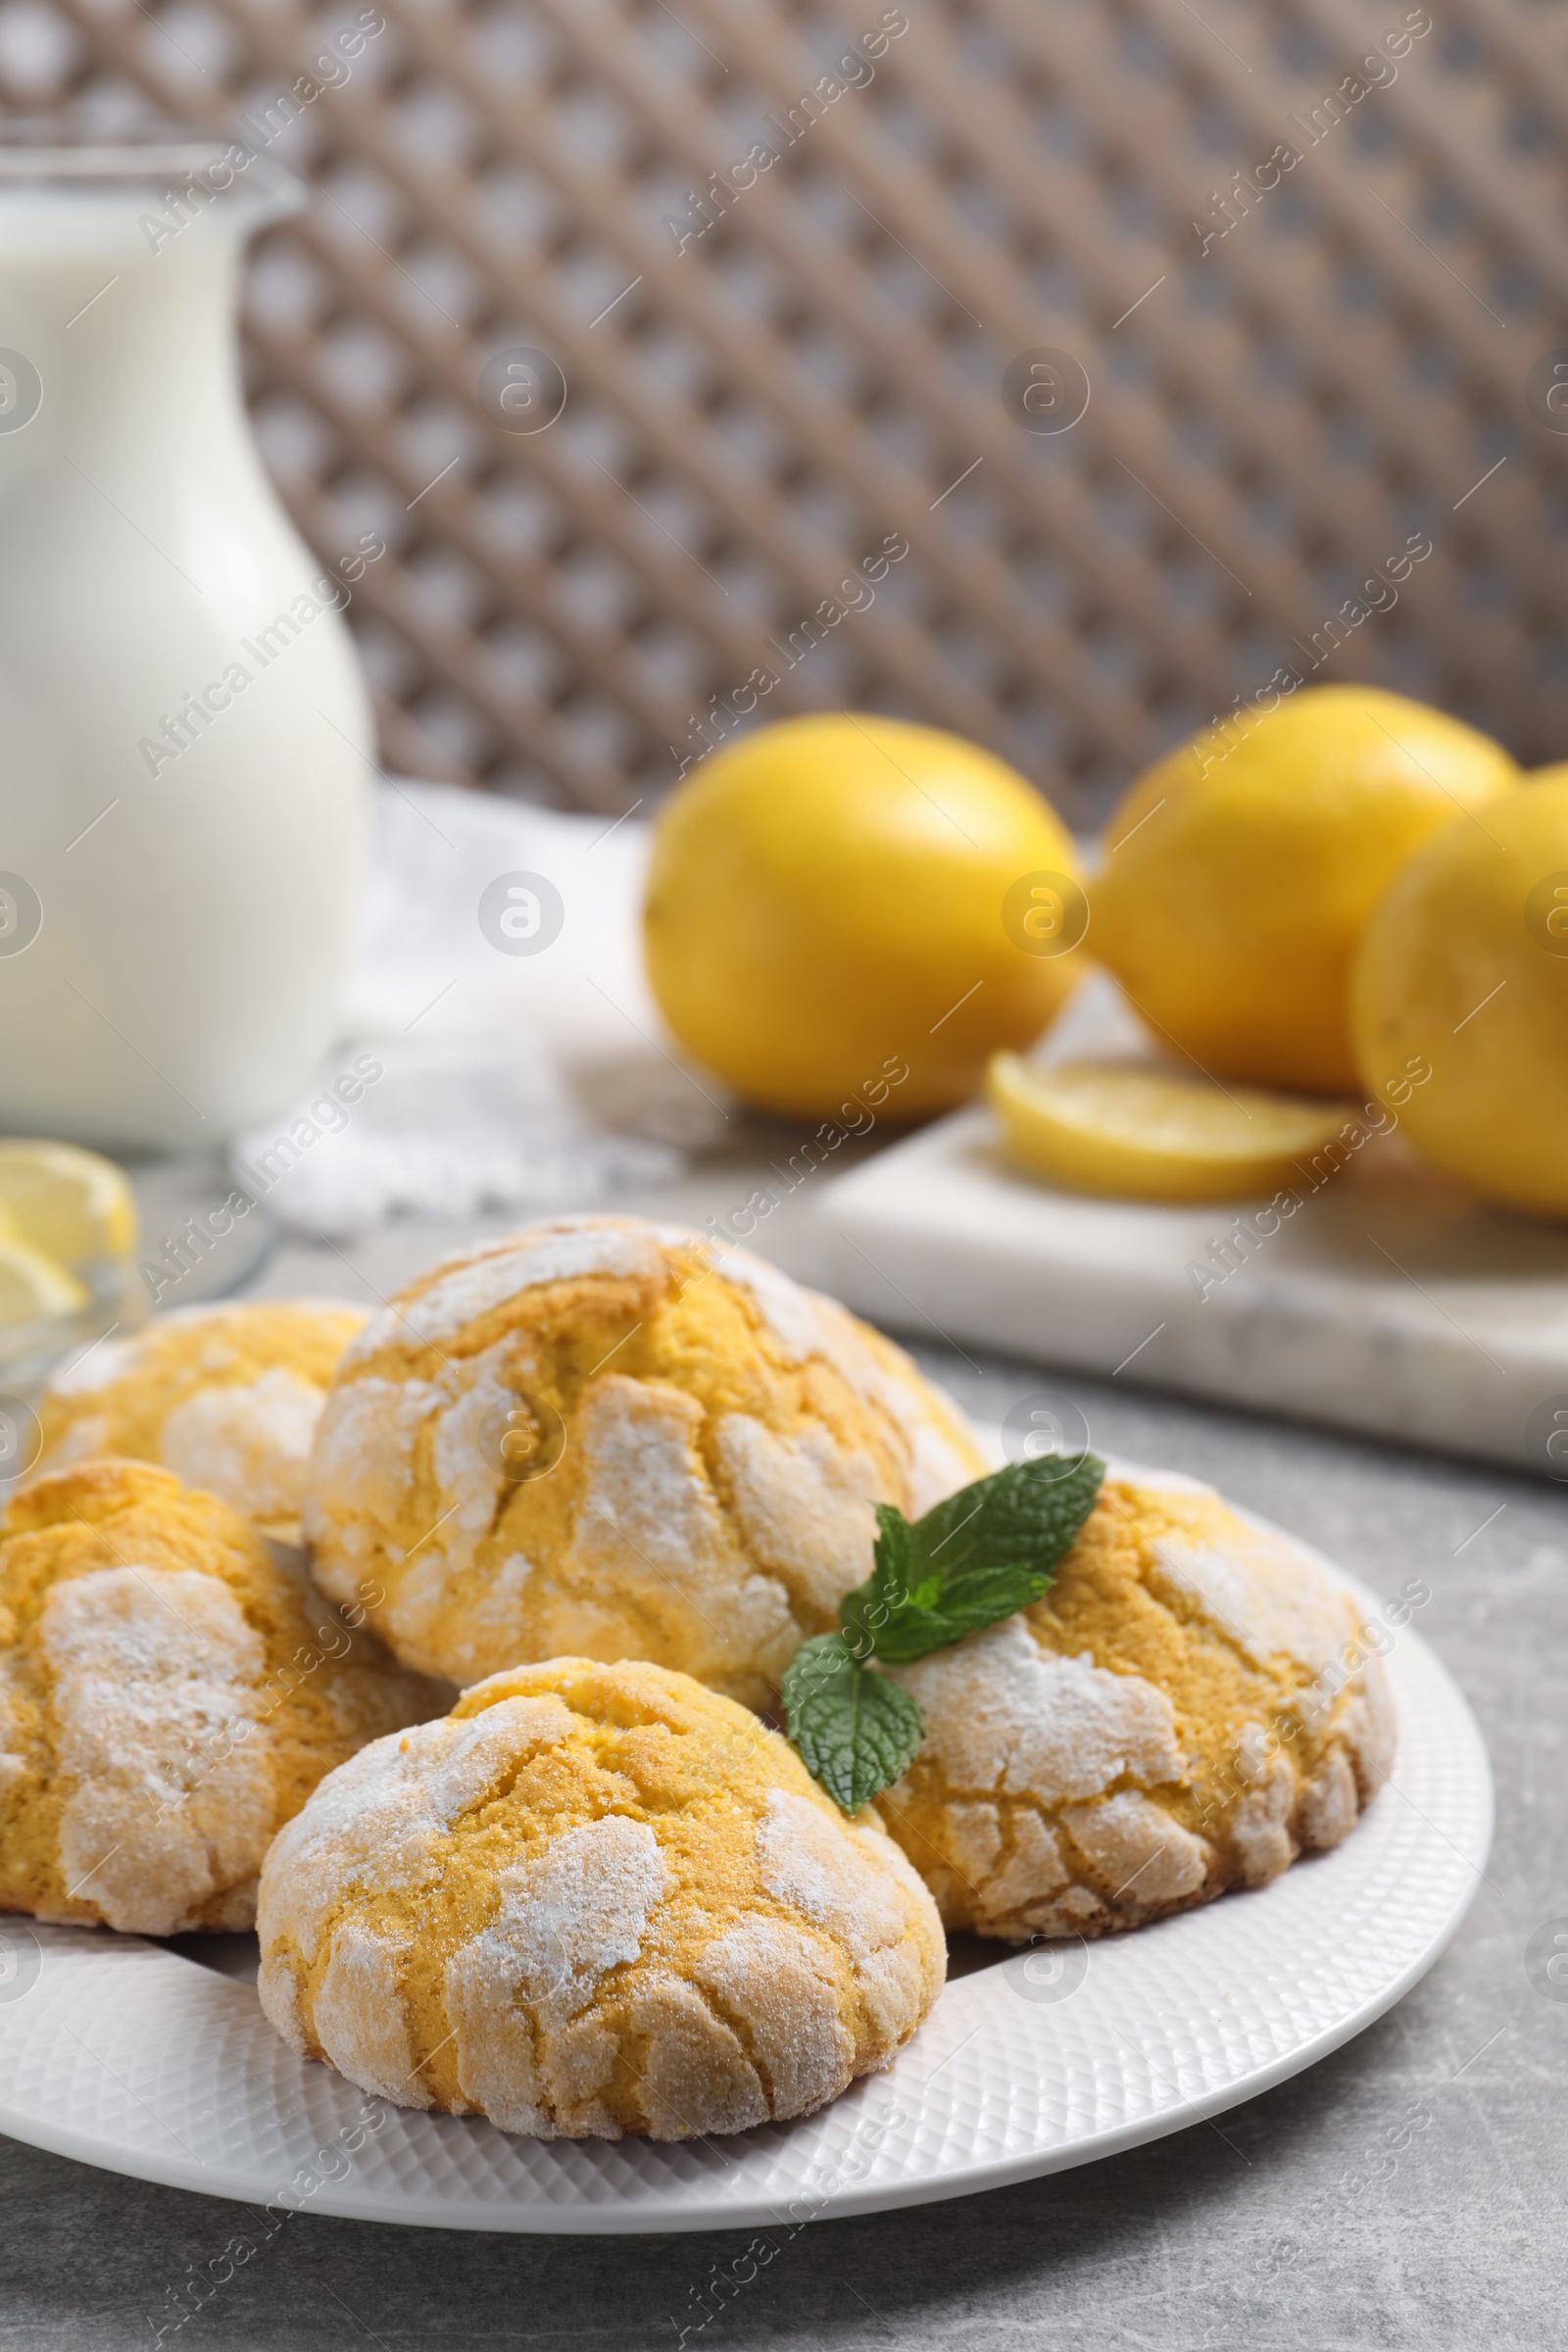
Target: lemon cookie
{"points": [[594, 1900], [1192, 1703], [607, 1438], [226, 1397], [170, 1694]]}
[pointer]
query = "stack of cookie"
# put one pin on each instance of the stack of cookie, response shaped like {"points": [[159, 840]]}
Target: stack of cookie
{"points": [[610, 1477]]}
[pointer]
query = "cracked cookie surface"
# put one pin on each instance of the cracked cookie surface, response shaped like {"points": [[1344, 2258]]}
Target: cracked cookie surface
{"points": [[226, 1397], [171, 1691], [614, 1438], [1192, 1703], [596, 1899]]}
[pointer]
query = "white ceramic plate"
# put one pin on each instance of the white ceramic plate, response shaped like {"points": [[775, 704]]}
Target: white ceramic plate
{"points": [[132, 2057]]}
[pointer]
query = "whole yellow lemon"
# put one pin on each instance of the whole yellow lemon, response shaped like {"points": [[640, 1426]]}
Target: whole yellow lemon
{"points": [[1241, 870], [847, 900], [1464, 968]]}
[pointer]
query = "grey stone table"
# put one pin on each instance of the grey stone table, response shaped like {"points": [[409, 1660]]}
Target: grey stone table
{"points": [[1406, 2192]]}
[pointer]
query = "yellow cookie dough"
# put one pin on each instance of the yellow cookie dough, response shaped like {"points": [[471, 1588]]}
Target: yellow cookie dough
{"points": [[613, 1438], [1192, 1703], [595, 1900], [170, 1694], [226, 1397]]}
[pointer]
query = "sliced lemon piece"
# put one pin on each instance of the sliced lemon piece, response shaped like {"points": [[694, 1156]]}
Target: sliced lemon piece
{"points": [[1148, 1135], [69, 1203], [34, 1286]]}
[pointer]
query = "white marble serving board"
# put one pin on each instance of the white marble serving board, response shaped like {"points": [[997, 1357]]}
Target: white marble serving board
{"points": [[1392, 1301]]}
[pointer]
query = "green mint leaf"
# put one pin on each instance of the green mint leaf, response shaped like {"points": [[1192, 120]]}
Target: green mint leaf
{"points": [[1029, 1512], [975, 1597], [867, 1611], [984, 1552], [855, 1731]]}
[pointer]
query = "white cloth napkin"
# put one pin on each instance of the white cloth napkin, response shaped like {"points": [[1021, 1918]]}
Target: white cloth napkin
{"points": [[487, 1064]]}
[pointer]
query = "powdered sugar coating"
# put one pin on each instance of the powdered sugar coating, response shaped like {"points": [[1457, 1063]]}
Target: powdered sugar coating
{"points": [[477, 1285], [566, 1920], [715, 1439], [249, 1444], [1248, 1589], [107, 1360], [170, 1693], [1191, 1704], [227, 1396], [650, 1530], [597, 1899], [16, 1726], [379, 1818], [790, 1312], [776, 1983], [1131, 1842], [361, 1470], [845, 1888], [1002, 1714], [82, 1442], [154, 1673], [804, 1504], [361, 2017]]}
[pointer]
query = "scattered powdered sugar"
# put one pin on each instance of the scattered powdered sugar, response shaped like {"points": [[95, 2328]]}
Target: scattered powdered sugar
{"points": [[369, 1820], [1033, 1870], [1134, 1843], [804, 1504], [248, 1444], [505, 1586], [1269, 1597], [1329, 1802], [1259, 1821], [495, 1612], [474, 1286], [484, 1748], [107, 1362], [807, 1324], [849, 1882], [695, 2076], [818, 1866], [464, 1451], [566, 1917], [778, 1982], [359, 1470], [78, 1443], [649, 1525], [969, 1837], [378, 1820], [155, 1704], [1005, 1715], [360, 2020], [790, 1313], [1370, 1727]]}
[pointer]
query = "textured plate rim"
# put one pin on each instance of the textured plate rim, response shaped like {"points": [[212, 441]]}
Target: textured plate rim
{"points": [[696, 2204]]}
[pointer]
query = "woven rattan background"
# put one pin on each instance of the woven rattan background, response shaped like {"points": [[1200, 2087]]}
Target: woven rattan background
{"points": [[754, 408]]}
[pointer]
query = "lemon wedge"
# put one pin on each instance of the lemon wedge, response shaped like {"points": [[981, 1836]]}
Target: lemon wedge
{"points": [[68, 1203], [1147, 1135], [34, 1286]]}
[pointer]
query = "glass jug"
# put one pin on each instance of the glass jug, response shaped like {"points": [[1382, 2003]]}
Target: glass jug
{"points": [[185, 743]]}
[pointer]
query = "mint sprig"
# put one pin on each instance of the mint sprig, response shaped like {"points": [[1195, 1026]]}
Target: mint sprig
{"points": [[855, 1731], [985, 1553]]}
